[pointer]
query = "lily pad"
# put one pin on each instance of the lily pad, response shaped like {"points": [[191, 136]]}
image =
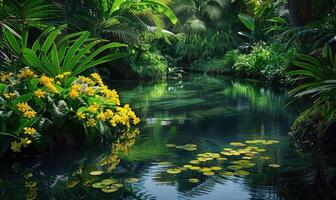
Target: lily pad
{"points": [[237, 144], [227, 173], [131, 180], [216, 168], [109, 181], [109, 190], [195, 162], [208, 173], [98, 185], [242, 173], [193, 180], [196, 168], [165, 163], [234, 167], [96, 173], [174, 171], [205, 169]]}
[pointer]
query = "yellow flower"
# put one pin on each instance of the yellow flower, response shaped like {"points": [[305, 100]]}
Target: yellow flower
{"points": [[26, 73], [23, 107], [73, 94], [86, 80], [109, 113], [90, 91], [101, 116], [16, 146], [80, 115], [76, 87], [29, 114], [29, 130], [63, 75], [136, 120], [97, 78], [91, 123], [5, 76], [93, 108], [10, 95], [25, 142], [39, 93], [111, 96], [45, 80]]}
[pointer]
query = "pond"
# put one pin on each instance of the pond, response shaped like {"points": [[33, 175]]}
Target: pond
{"points": [[200, 138]]}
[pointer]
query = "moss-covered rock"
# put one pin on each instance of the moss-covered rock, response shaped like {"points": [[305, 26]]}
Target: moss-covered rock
{"points": [[312, 129]]}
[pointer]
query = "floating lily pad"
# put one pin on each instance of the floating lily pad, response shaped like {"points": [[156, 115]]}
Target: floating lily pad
{"points": [[98, 185], [237, 144], [208, 173], [274, 165], [109, 181], [187, 166], [196, 168], [234, 167], [195, 162], [193, 180], [165, 163], [174, 171], [227, 173], [109, 190], [221, 159], [205, 169], [131, 180], [242, 173], [228, 149], [216, 168], [119, 185], [96, 173]]}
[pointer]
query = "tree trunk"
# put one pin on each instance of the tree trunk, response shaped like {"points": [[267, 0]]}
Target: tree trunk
{"points": [[300, 12]]}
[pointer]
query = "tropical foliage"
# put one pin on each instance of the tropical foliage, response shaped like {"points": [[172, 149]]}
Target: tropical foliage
{"points": [[52, 55], [268, 62], [36, 108]]}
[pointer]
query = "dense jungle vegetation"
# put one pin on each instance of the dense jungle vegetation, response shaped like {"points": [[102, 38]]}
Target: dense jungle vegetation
{"points": [[52, 52]]}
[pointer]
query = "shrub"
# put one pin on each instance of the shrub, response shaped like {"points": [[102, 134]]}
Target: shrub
{"points": [[151, 65], [37, 109], [268, 62], [217, 65]]}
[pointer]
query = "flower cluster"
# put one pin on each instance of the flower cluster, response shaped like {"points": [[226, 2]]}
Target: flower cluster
{"points": [[27, 111], [24, 141], [86, 100]]}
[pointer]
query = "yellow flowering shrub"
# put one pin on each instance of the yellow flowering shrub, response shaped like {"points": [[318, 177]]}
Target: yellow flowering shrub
{"points": [[37, 107]]}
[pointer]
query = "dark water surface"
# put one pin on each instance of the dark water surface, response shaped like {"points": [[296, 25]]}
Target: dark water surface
{"points": [[206, 111]]}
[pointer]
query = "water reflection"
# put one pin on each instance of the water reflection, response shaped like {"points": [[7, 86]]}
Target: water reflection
{"points": [[206, 111]]}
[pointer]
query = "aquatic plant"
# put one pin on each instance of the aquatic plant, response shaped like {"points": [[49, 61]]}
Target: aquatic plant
{"points": [[36, 109]]}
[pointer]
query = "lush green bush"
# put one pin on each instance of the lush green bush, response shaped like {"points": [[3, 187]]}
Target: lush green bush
{"points": [[39, 110], [195, 46], [217, 65], [268, 62], [150, 65]]}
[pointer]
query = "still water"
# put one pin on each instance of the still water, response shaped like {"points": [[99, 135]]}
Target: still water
{"points": [[208, 113]]}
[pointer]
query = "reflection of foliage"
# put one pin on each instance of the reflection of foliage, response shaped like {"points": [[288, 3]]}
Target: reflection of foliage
{"points": [[263, 100], [123, 144]]}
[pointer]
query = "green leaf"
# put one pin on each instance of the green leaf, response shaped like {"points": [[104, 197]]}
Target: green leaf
{"points": [[248, 21]]}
